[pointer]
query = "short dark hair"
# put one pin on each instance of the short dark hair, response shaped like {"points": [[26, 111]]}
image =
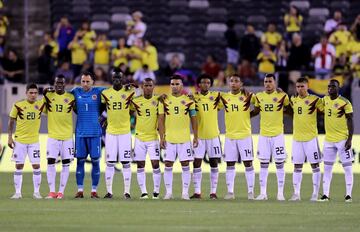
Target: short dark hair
{"points": [[87, 73], [148, 79], [60, 76], [270, 75], [230, 23], [31, 86], [177, 76], [117, 73], [237, 75], [205, 76], [336, 81], [302, 80]]}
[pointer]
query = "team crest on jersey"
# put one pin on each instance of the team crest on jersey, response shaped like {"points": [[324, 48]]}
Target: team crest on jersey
{"points": [[123, 96], [275, 99], [153, 103], [183, 102], [36, 107], [94, 97], [66, 100], [228, 100], [241, 98], [169, 102], [53, 99], [307, 102], [336, 105], [211, 98], [141, 104]]}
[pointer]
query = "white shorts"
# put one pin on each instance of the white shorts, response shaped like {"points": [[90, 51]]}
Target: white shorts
{"points": [[212, 147], [21, 150], [183, 150], [271, 148], [308, 150], [118, 148], [64, 148], [142, 148], [331, 149], [238, 149]]}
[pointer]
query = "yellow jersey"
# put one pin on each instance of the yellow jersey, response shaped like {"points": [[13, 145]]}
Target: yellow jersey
{"points": [[120, 56], [118, 110], [88, 39], [28, 119], [293, 26], [207, 107], [336, 128], [136, 64], [305, 117], [78, 53], [102, 50], [55, 48], [266, 63], [151, 58], [177, 111], [237, 114], [146, 118], [271, 112], [59, 110], [344, 37], [272, 38]]}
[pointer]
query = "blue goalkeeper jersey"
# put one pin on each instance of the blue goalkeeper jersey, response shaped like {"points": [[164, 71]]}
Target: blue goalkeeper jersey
{"points": [[88, 106]]}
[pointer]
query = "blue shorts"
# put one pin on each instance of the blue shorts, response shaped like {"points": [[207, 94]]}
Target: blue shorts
{"points": [[85, 146]]}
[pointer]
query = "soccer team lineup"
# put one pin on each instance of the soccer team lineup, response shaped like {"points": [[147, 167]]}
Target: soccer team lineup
{"points": [[185, 128]]}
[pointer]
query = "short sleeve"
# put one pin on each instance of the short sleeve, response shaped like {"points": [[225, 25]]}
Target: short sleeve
{"points": [[286, 100], [320, 104], [348, 108], [253, 99], [13, 112], [256, 104]]}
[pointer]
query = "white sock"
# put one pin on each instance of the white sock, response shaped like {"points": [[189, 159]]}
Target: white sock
{"points": [[297, 178], [141, 179], [36, 180], [157, 179], [280, 174], [349, 178], [263, 176], [127, 177], [186, 179], [230, 178], [250, 178], [18, 180], [109, 176], [64, 176], [316, 178], [197, 176], [51, 176], [168, 179], [214, 176], [327, 178]]}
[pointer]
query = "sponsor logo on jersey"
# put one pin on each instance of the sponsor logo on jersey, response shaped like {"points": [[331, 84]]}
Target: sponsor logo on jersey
{"points": [[94, 97]]}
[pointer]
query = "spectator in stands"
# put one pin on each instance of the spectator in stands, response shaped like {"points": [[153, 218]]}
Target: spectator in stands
{"points": [[89, 37], [12, 67], [299, 58], [100, 76], [250, 45], [324, 55], [64, 34], [282, 56], [271, 36], [102, 52], [46, 65], [120, 53], [211, 67], [2, 46], [64, 69], [340, 39], [292, 21], [124, 69], [4, 23], [220, 80], [151, 56], [232, 43], [266, 60], [143, 73], [78, 53], [247, 72], [49, 41], [174, 65], [355, 27], [332, 24], [136, 55], [341, 66], [135, 29]]}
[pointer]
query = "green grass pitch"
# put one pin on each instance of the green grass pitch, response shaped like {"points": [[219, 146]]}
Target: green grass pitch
{"points": [[177, 215]]}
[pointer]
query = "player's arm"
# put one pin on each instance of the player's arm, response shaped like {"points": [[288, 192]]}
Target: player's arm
{"points": [[350, 126], [161, 126], [194, 126], [11, 126], [0, 136], [255, 111]]}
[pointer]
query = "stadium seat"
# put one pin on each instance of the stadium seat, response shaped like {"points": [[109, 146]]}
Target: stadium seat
{"points": [[257, 19], [120, 18], [116, 34], [319, 12], [199, 4], [169, 55], [100, 26], [100, 17], [179, 18], [221, 27], [178, 3], [120, 9], [302, 5], [316, 19], [81, 10], [176, 41]]}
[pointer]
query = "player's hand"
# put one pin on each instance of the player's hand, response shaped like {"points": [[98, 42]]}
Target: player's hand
{"points": [[195, 142], [348, 144], [163, 144], [191, 96], [48, 90], [162, 98], [279, 90], [11, 143]]}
